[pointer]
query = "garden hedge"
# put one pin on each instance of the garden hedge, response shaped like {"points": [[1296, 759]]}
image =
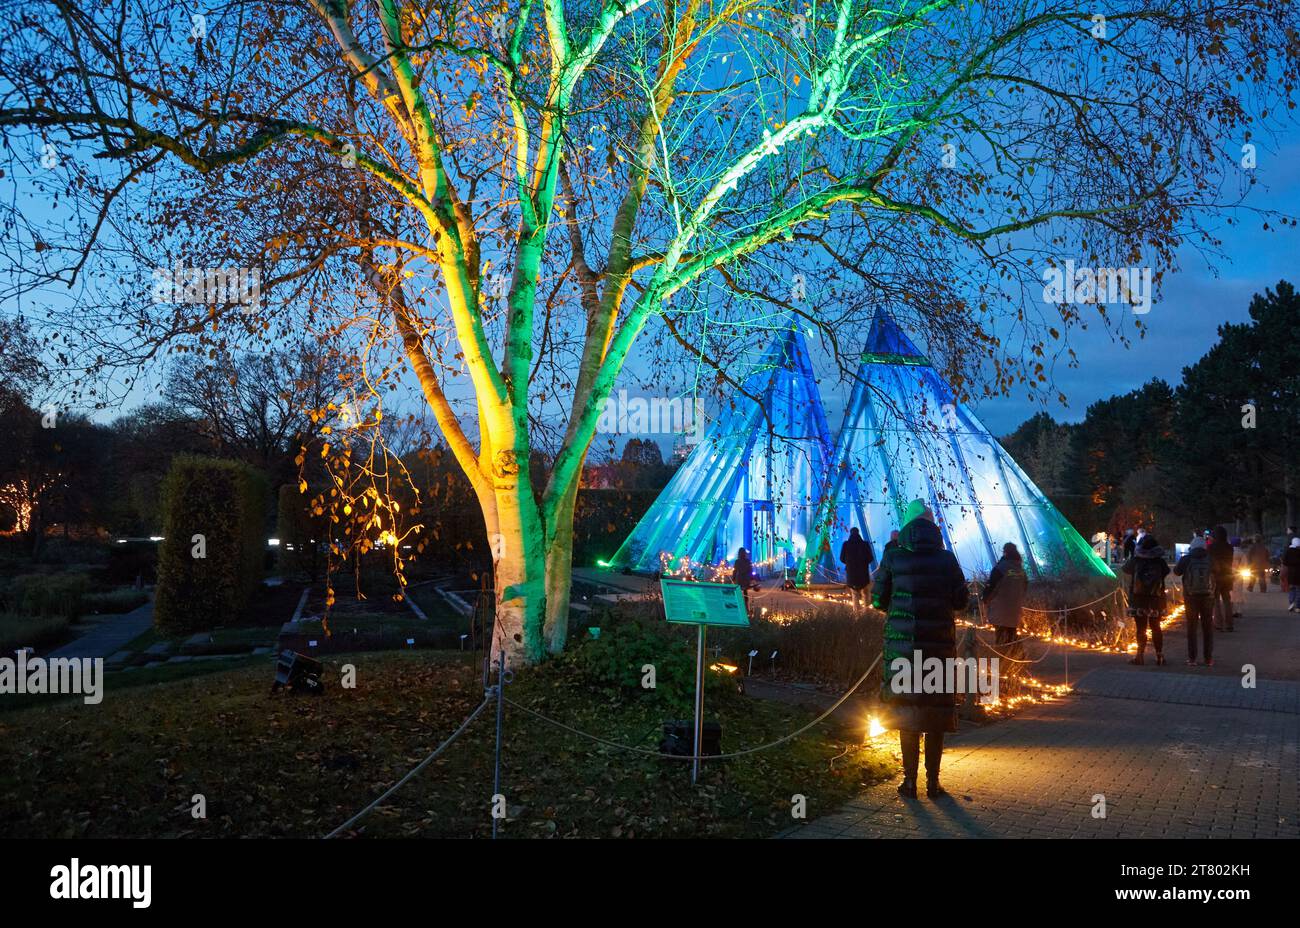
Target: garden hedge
{"points": [[225, 502], [296, 528]]}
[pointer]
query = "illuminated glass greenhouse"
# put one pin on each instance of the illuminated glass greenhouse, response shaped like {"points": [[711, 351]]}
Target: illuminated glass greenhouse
{"points": [[753, 481], [906, 437]]}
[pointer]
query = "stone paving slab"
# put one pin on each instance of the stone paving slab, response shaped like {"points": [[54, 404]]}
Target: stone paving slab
{"points": [[1164, 684], [1176, 752], [1179, 770]]}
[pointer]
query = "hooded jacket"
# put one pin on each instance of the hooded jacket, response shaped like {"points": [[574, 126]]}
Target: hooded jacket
{"points": [[1221, 554], [1291, 561], [1147, 561], [1191, 564], [919, 585]]}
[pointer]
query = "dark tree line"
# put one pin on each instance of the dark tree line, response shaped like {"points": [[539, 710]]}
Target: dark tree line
{"points": [[1219, 447], [67, 474]]}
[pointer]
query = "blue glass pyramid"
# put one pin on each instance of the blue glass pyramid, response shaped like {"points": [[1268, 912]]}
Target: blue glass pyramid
{"points": [[754, 480], [906, 437]]}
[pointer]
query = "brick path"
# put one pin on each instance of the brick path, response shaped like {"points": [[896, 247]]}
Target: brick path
{"points": [[1176, 752]]}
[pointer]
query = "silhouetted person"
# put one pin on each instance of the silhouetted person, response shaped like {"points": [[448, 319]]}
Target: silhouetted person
{"points": [[893, 540], [1221, 560], [1004, 596], [1258, 562], [1146, 596], [857, 557], [1283, 574], [1291, 564], [1198, 599], [920, 585], [742, 573]]}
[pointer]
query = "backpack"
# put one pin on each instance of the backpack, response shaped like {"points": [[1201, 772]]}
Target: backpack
{"points": [[1198, 577], [1148, 578]]}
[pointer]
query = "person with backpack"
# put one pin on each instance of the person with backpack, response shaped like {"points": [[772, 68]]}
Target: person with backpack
{"points": [[857, 557], [1221, 559], [1004, 596], [1147, 570], [1198, 599], [1291, 564]]}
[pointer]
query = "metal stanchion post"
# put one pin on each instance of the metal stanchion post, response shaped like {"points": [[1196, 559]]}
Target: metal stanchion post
{"points": [[1066, 649], [698, 740], [499, 692]]}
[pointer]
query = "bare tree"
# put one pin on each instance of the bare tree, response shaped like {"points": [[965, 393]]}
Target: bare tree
{"points": [[254, 406]]}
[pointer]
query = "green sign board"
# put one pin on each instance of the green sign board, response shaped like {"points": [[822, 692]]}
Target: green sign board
{"points": [[694, 603]]}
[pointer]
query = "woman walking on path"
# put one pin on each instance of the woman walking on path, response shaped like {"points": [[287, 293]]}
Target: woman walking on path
{"points": [[1146, 596], [919, 585], [857, 557], [1004, 597]]}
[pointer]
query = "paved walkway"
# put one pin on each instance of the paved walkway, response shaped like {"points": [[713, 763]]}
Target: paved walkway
{"points": [[110, 635], [1175, 751]]}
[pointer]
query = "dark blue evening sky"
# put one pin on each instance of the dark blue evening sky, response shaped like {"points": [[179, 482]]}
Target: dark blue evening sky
{"points": [[1196, 300]]}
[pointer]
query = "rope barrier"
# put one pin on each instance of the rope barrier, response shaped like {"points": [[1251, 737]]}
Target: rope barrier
{"points": [[576, 731], [414, 770], [646, 751], [983, 614], [1014, 660], [1114, 592]]}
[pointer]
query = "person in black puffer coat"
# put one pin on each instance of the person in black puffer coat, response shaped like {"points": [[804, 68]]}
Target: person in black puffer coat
{"points": [[919, 585]]}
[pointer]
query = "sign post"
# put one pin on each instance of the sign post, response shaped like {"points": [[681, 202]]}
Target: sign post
{"points": [[697, 744], [700, 604]]}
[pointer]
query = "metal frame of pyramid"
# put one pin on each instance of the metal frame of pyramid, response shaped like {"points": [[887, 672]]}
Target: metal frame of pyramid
{"points": [[906, 437], [754, 480]]}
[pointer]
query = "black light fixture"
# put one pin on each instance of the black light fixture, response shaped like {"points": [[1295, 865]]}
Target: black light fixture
{"points": [[298, 673], [679, 738]]}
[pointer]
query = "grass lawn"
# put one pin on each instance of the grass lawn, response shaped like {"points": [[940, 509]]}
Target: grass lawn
{"points": [[298, 766]]}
